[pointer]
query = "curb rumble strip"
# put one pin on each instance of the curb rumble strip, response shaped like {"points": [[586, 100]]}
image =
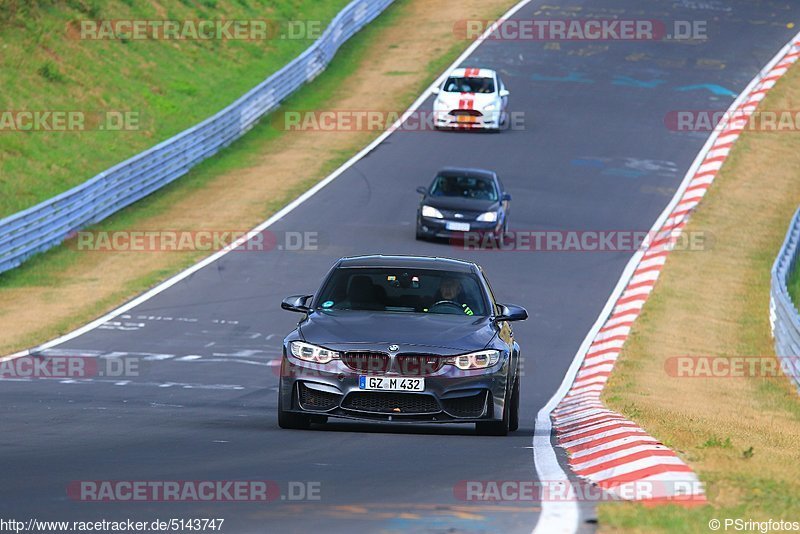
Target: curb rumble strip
{"points": [[603, 447]]}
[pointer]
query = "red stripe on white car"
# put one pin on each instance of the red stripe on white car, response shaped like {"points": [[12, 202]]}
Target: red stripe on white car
{"points": [[604, 447], [467, 101], [472, 73]]}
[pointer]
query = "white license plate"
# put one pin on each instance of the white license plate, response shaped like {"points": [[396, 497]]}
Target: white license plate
{"points": [[383, 383], [457, 226]]}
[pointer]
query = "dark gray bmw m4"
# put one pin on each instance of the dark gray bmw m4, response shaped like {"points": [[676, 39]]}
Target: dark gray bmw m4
{"points": [[402, 339]]}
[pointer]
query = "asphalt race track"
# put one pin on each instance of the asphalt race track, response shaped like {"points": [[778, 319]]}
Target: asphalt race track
{"points": [[594, 155]]}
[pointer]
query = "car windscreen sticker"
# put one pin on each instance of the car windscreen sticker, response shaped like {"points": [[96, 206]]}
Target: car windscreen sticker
{"points": [[327, 304]]}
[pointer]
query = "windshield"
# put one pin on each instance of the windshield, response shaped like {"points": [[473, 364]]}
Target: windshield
{"points": [[455, 84], [464, 187], [403, 290]]}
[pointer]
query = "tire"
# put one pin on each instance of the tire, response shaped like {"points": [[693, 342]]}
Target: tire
{"points": [[510, 421], [289, 420], [513, 423], [506, 120], [500, 238], [495, 428]]}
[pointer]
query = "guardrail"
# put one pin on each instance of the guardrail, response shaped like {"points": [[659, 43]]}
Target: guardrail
{"points": [[45, 225], [783, 315]]}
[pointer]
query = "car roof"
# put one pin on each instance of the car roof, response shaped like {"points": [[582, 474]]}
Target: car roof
{"points": [[410, 262], [467, 171], [472, 72]]}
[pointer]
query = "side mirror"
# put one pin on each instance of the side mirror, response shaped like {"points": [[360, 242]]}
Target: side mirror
{"points": [[422, 190], [435, 90], [504, 93], [511, 312], [297, 303], [506, 197]]}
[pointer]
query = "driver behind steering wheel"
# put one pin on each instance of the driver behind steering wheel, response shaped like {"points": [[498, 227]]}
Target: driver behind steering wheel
{"points": [[450, 290]]}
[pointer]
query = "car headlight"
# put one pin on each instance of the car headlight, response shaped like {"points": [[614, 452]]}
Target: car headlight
{"points": [[489, 216], [475, 360], [433, 213], [312, 353]]}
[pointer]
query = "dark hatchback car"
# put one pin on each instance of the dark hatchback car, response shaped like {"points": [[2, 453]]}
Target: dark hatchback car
{"points": [[402, 339], [463, 201]]}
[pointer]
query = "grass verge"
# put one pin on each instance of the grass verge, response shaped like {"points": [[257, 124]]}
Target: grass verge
{"points": [[167, 85], [739, 434], [402, 50]]}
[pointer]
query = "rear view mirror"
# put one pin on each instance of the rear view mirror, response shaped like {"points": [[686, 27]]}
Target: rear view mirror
{"points": [[297, 303], [435, 90], [511, 312], [422, 190], [506, 197], [504, 92]]}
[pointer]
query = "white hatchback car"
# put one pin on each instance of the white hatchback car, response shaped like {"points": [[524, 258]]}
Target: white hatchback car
{"points": [[471, 98]]}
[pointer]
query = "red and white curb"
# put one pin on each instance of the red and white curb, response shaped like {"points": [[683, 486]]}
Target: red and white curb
{"points": [[603, 447]]}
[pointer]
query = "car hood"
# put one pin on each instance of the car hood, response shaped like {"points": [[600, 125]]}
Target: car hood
{"points": [[476, 100], [353, 330], [461, 204]]}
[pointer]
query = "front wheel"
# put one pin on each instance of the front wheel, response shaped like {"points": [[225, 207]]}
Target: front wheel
{"points": [[513, 423], [510, 421], [500, 237], [289, 420]]}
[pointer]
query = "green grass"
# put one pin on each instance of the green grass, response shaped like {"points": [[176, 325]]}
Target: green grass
{"points": [[170, 84], [783, 504], [794, 286]]}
